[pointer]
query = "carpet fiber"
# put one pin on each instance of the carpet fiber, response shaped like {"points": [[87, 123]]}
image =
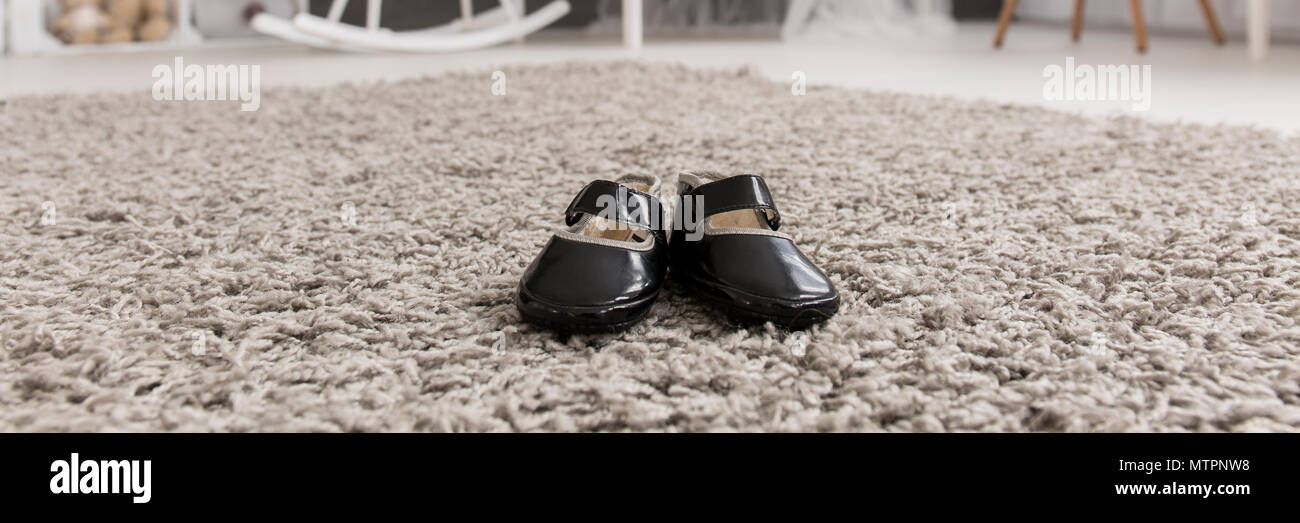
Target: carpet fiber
{"points": [[184, 266]]}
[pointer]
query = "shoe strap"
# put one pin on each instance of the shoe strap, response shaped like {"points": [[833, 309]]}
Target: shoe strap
{"points": [[745, 191], [616, 202]]}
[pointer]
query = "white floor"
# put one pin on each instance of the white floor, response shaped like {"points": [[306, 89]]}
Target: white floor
{"points": [[1192, 80]]}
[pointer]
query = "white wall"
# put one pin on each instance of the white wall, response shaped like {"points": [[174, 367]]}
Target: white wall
{"points": [[1180, 16]]}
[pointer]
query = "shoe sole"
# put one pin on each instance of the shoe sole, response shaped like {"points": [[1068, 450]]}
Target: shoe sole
{"points": [[564, 320], [800, 320]]}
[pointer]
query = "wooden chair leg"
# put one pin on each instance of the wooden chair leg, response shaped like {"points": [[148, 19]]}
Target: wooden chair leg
{"points": [[1212, 21], [1004, 19], [1076, 24], [1139, 25]]}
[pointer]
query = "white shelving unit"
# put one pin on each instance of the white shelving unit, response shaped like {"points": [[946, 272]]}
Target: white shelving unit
{"points": [[25, 29], [29, 23]]}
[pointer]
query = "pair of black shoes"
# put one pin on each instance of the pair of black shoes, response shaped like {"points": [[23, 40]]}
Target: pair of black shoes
{"points": [[603, 272]]}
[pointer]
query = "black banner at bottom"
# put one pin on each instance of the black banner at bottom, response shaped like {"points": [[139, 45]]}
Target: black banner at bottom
{"points": [[806, 474]]}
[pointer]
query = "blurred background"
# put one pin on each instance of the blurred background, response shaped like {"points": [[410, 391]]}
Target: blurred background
{"points": [[1231, 61]]}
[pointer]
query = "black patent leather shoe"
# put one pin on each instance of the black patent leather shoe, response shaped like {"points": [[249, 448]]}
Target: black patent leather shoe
{"points": [[729, 250], [603, 271]]}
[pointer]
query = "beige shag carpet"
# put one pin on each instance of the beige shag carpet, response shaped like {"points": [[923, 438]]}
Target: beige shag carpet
{"points": [[1003, 268]]}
